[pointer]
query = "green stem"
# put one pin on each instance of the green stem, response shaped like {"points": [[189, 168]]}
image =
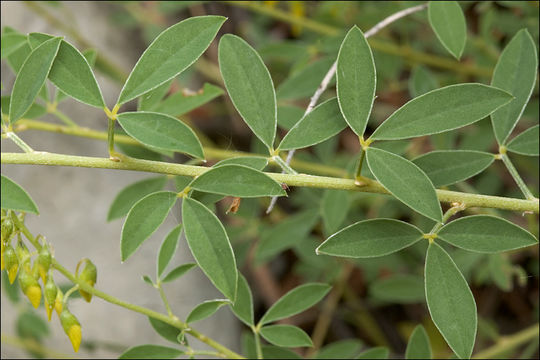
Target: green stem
{"points": [[447, 215], [323, 182], [164, 299], [258, 346], [64, 118], [173, 321], [283, 165], [110, 136], [360, 162], [210, 153], [519, 181], [19, 142], [506, 343], [412, 56]]}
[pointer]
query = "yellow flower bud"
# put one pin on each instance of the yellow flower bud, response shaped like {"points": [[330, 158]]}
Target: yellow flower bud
{"points": [[51, 292], [72, 328], [44, 262], [30, 287], [58, 304], [6, 228], [11, 263], [89, 276]]}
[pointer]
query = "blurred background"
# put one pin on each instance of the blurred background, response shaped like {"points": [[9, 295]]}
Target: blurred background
{"points": [[378, 301]]}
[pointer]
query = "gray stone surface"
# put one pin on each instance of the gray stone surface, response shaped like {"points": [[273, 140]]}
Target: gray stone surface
{"points": [[73, 204]]}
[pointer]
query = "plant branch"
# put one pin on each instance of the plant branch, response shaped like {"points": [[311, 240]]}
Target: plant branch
{"points": [[171, 320], [409, 54], [519, 181], [510, 342], [469, 200]]}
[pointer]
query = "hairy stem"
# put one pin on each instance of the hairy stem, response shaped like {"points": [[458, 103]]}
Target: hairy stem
{"points": [[519, 181], [19, 142], [323, 182]]}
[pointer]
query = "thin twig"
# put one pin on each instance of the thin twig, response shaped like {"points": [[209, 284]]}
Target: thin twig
{"points": [[331, 72]]}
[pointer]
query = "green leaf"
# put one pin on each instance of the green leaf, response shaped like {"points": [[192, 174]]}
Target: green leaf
{"points": [[167, 249], [342, 349], [447, 167], [304, 83], [11, 42], [378, 352], [151, 352], [205, 309], [31, 325], [421, 81], [133, 193], [285, 234], [289, 115], [31, 77], [320, 124], [450, 301], [243, 306], [370, 238], [250, 86], [178, 271], [167, 331], [295, 301], [237, 180], [180, 104], [406, 181], [335, 205], [149, 101], [515, 72], [36, 110], [17, 57], [356, 80], [440, 110], [173, 51], [525, 143], [254, 162], [418, 346], [143, 220], [15, 197], [486, 234], [285, 335], [72, 74], [210, 246], [275, 352], [399, 288], [448, 22], [161, 132]]}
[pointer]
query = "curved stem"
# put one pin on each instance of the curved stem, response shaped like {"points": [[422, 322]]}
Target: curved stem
{"points": [[173, 321], [468, 200], [519, 181]]}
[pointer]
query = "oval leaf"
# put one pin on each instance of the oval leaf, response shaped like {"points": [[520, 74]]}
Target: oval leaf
{"points": [[356, 80], [335, 205], [449, 167], [254, 162], [178, 271], [250, 86], [440, 110], [205, 309], [243, 306], [295, 301], [370, 238], [143, 220], [15, 197], [148, 101], [167, 249], [210, 246], [11, 42], [72, 74], [378, 352], [237, 180], [31, 77], [342, 349], [526, 143], [180, 104], [162, 132], [320, 124], [173, 51], [448, 22], [304, 82], [399, 288], [285, 335], [486, 234], [167, 331], [450, 301], [418, 346], [515, 72], [133, 193], [406, 181], [151, 352]]}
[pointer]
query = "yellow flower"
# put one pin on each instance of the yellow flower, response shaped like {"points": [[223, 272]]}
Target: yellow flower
{"points": [[75, 336], [33, 293], [58, 305], [89, 276], [72, 328], [30, 287], [11, 262]]}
